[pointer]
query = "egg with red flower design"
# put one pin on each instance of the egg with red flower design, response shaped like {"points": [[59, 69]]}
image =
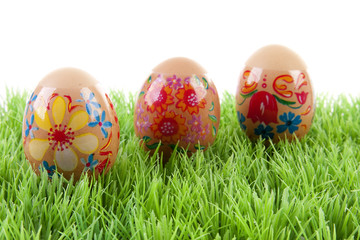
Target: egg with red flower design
{"points": [[274, 98], [177, 107], [70, 126]]}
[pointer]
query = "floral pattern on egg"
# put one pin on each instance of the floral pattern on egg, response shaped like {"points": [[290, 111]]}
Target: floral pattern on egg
{"points": [[70, 131], [174, 109], [274, 104]]}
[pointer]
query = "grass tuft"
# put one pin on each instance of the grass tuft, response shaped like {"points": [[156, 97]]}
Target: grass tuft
{"points": [[308, 189]]}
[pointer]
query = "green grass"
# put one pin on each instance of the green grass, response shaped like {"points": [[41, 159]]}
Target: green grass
{"points": [[308, 189]]}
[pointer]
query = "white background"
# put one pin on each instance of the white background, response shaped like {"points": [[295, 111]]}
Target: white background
{"points": [[119, 42]]}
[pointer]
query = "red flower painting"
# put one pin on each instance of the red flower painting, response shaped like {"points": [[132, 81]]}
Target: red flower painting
{"points": [[301, 97], [263, 108]]}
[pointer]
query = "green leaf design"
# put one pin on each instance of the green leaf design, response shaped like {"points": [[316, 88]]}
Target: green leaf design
{"points": [[154, 145], [141, 93], [295, 107], [199, 147], [249, 94], [205, 83], [213, 118], [212, 106], [146, 139], [242, 102], [282, 101], [149, 79], [213, 130], [287, 103]]}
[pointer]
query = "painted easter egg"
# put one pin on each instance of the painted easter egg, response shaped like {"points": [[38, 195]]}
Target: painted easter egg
{"points": [[178, 105], [274, 98], [70, 126]]}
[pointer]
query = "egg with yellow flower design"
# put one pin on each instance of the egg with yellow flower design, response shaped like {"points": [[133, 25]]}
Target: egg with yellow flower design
{"points": [[70, 126], [178, 108]]}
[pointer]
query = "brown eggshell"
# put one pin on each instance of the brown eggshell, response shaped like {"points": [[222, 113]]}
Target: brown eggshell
{"points": [[274, 98], [178, 104], [70, 126]]}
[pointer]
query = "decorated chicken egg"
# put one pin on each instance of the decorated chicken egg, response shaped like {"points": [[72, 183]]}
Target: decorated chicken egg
{"points": [[178, 105], [70, 126], [274, 98]]}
